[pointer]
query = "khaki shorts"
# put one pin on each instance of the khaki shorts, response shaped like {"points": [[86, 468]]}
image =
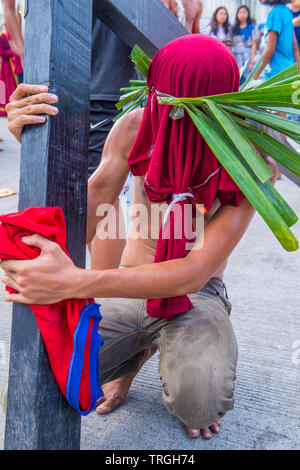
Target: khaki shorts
{"points": [[198, 352]]}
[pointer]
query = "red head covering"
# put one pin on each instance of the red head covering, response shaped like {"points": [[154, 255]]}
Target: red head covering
{"points": [[171, 153]]}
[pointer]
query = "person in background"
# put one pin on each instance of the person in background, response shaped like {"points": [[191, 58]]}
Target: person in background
{"points": [[220, 27], [245, 38], [281, 49], [14, 27], [188, 13], [294, 6], [8, 78]]}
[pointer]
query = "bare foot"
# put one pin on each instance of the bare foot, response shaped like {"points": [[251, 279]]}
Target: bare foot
{"points": [[115, 393], [207, 433]]}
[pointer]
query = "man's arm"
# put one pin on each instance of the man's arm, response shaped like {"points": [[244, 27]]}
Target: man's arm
{"points": [[108, 180], [196, 25], [254, 49], [176, 277], [27, 104], [14, 28], [53, 277], [296, 21], [269, 52], [166, 3]]}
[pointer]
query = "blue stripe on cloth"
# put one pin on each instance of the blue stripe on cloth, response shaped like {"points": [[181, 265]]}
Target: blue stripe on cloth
{"points": [[76, 364]]}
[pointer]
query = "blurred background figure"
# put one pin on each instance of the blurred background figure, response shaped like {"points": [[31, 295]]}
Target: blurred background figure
{"points": [[188, 13], [8, 78], [14, 20], [220, 27], [245, 38], [281, 49], [294, 6]]}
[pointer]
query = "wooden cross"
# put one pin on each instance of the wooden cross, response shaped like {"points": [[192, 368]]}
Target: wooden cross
{"points": [[54, 163]]}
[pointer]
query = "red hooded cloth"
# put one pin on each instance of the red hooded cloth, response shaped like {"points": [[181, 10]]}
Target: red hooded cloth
{"points": [[69, 328], [178, 165]]}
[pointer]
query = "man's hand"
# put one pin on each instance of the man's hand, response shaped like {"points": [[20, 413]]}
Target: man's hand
{"points": [[45, 280], [26, 105]]}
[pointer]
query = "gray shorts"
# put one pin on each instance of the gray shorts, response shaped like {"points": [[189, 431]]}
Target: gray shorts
{"points": [[198, 352]]}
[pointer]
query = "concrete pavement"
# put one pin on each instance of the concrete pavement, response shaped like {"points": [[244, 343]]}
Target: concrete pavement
{"points": [[264, 286]]}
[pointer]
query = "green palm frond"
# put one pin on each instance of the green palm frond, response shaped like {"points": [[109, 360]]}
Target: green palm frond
{"points": [[234, 126], [137, 94]]}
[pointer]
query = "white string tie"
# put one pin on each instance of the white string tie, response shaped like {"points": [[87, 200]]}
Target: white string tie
{"points": [[176, 198]]}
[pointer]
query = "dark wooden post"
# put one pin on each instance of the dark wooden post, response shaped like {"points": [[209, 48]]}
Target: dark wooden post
{"points": [[53, 173]]}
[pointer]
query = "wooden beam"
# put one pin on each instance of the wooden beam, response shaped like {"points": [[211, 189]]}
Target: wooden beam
{"points": [[147, 23], [54, 164]]}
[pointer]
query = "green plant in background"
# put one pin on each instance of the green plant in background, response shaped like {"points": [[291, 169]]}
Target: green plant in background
{"points": [[235, 141]]}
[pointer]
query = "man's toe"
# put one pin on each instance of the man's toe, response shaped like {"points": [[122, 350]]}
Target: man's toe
{"points": [[206, 433], [192, 433], [108, 405]]}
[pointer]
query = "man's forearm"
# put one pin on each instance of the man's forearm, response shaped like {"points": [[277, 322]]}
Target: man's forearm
{"points": [[268, 54], [175, 277], [296, 21]]}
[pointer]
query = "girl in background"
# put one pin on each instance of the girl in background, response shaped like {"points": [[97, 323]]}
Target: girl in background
{"points": [[245, 38], [220, 27]]}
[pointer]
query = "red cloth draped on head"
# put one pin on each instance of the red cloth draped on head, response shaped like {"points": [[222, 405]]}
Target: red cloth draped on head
{"points": [[172, 154]]}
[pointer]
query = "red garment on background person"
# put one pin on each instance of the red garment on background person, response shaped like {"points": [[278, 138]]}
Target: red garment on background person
{"points": [[59, 323], [8, 81], [172, 153]]}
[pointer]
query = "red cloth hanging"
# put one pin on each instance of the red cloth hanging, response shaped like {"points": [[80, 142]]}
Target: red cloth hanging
{"points": [[58, 323], [172, 154]]}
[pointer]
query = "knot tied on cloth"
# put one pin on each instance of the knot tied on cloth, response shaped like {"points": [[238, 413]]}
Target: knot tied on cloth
{"points": [[69, 328], [169, 150], [175, 199]]}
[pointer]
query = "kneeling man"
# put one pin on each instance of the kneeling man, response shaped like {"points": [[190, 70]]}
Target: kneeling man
{"points": [[168, 297]]}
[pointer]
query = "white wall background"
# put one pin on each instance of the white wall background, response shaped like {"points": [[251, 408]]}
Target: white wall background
{"points": [[259, 12]]}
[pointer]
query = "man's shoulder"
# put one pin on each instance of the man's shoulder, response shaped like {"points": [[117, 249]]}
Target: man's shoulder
{"points": [[132, 121], [126, 129]]}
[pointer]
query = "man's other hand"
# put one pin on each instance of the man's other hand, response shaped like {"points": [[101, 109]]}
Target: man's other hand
{"points": [[45, 280], [26, 106]]}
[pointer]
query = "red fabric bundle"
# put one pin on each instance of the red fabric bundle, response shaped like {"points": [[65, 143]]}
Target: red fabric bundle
{"points": [[57, 323], [177, 162]]}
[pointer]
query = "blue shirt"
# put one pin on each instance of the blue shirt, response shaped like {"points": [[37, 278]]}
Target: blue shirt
{"points": [[280, 19]]}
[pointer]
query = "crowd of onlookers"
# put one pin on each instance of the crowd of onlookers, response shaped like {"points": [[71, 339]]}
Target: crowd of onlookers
{"points": [[247, 39]]}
